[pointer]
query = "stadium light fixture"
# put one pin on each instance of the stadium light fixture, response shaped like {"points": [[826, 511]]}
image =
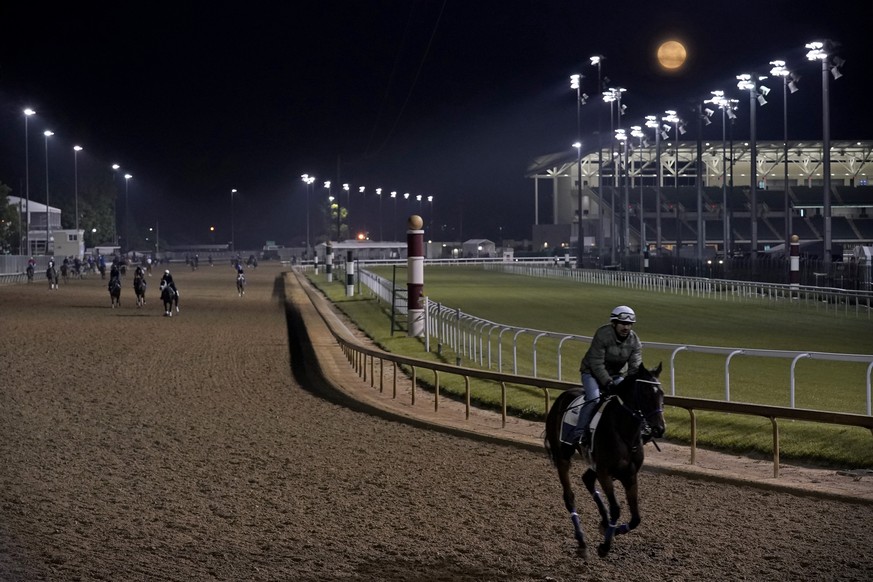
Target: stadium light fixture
{"points": [[597, 61], [581, 98], [780, 70], [749, 82], [48, 221], [654, 123], [819, 52], [726, 105]]}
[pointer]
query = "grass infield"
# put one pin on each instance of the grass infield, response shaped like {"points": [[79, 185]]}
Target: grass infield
{"points": [[570, 307]]}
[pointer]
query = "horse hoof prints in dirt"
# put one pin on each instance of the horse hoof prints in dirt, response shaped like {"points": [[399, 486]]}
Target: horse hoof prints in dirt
{"points": [[630, 416]]}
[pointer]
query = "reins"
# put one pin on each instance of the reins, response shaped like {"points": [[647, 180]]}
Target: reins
{"points": [[641, 418]]}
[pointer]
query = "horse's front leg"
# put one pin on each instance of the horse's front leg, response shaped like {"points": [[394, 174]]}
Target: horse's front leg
{"points": [[614, 513], [633, 502], [563, 466], [590, 481]]}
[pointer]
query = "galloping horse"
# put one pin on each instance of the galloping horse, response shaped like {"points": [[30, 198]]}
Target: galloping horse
{"points": [[139, 288], [628, 418], [29, 273], [52, 275], [65, 272], [115, 292], [170, 298], [241, 284]]}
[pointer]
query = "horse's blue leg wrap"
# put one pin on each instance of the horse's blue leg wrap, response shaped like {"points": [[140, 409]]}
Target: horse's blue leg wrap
{"points": [[577, 527]]}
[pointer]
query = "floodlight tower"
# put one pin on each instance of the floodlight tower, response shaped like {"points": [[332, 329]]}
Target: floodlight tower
{"points": [[653, 123], [727, 106], [576, 83], [789, 83], [637, 131], [818, 52], [748, 82]]}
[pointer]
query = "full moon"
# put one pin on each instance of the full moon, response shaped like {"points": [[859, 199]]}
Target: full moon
{"points": [[671, 54]]}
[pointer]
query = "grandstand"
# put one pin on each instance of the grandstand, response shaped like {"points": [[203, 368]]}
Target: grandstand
{"points": [[851, 199]]}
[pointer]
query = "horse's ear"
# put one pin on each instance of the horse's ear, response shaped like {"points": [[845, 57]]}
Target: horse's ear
{"points": [[657, 371]]}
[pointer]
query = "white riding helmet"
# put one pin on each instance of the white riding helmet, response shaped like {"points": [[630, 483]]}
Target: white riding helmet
{"points": [[167, 272], [623, 314]]}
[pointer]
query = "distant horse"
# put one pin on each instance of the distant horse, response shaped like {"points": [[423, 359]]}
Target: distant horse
{"points": [[65, 273], [628, 418], [241, 284], [115, 292], [29, 272], [170, 298], [52, 275], [139, 289], [102, 269]]}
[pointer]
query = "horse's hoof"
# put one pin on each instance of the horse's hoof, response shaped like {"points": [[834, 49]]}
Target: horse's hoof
{"points": [[582, 552], [602, 550]]}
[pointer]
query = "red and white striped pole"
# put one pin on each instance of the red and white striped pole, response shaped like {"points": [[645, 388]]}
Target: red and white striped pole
{"points": [[414, 276], [794, 274]]}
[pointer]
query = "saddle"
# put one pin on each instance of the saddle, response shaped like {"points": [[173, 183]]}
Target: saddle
{"points": [[571, 433]]}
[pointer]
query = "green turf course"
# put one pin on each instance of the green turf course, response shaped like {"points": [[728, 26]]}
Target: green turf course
{"points": [[570, 307]]}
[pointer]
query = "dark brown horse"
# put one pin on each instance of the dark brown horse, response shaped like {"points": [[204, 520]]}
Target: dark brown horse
{"points": [[52, 275], [115, 292], [139, 289], [630, 416]]}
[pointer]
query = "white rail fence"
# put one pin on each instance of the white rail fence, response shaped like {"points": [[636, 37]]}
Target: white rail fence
{"points": [[828, 299], [494, 345]]}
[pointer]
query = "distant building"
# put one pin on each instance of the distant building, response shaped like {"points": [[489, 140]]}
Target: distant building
{"points": [[479, 247], [61, 243]]}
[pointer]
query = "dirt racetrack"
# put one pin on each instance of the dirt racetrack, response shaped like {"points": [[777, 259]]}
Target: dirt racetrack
{"points": [[140, 447]]}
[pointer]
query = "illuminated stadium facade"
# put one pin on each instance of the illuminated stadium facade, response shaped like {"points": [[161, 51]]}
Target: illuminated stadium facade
{"points": [[682, 210]]}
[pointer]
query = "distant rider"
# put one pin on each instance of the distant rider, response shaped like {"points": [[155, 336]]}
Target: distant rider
{"points": [[167, 279]]}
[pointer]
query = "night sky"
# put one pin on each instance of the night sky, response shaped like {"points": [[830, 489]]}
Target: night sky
{"points": [[447, 98]]}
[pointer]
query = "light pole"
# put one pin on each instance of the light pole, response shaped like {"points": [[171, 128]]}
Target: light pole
{"points": [[653, 123], [127, 178], [48, 221], [747, 82], [727, 106], [348, 207], [613, 95], [817, 52], [597, 61], [379, 194], [622, 137], [331, 199], [232, 221], [76, 150], [394, 220], [361, 190], [576, 83], [637, 131], [779, 70], [308, 180], [115, 168], [27, 113], [672, 118], [431, 222]]}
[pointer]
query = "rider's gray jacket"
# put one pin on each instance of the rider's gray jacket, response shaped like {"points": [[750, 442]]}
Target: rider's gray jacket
{"points": [[608, 355]]}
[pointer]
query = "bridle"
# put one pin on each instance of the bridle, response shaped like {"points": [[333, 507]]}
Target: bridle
{"points": [[642, 418]]}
